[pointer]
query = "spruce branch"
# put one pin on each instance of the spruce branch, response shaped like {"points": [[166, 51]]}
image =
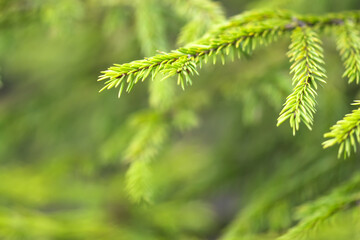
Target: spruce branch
{"points": [[183, 62], [345, 132], [306, 54], [349, 47], [240, 36]]}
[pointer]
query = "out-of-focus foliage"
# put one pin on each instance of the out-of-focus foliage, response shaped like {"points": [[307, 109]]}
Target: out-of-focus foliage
{"points": [[218, 167]]}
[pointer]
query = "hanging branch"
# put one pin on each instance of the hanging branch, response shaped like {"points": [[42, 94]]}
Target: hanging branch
{"points": [[307, 56]]}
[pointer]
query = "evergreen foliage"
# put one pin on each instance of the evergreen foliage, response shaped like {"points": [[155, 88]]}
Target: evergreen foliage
{"points": [[162, 163], [240, 37], [307, 57], [346, 132]]}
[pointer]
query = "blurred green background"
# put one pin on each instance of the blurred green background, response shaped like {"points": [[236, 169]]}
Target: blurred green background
{"points": [[64, 146]]}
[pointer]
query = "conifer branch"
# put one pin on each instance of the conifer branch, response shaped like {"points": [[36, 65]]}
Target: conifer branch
{"points": [[349, 47], [307, 56], [240, 36], [183, 62], [345, 132]]}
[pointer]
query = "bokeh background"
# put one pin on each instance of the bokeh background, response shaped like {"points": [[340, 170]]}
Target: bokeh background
{"points": [[218, 161]]}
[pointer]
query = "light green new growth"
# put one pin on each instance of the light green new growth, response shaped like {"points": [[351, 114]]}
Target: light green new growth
{"points": [[349, 47], [345, 132], [239, 37], [184, 61], [307, 57], [315, 213]]}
